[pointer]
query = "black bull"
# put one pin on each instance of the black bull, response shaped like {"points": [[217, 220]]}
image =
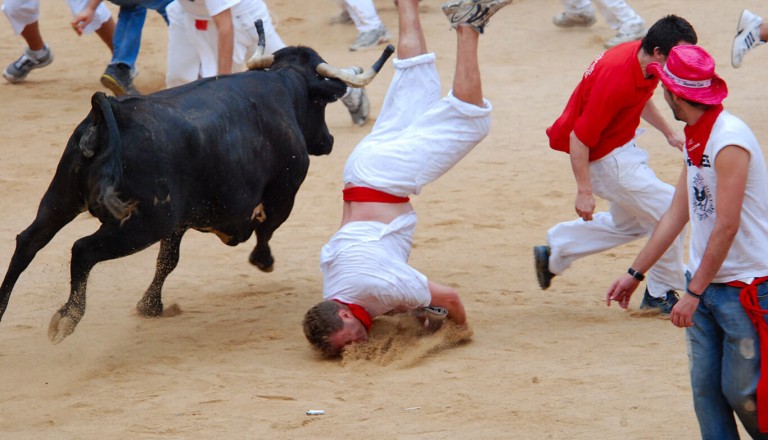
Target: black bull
{"points": [[224, 155]]}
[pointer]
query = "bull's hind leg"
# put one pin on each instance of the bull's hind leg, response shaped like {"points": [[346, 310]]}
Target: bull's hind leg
{"points": [[54, 213], [151, 304], [109, 242]]}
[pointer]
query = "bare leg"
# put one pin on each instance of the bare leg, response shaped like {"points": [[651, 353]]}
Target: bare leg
{"points": [[411, 40], [107, 32], [467, 86], [31, 35]]}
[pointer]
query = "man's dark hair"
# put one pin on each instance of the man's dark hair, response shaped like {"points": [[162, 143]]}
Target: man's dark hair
{"points": [[667, 33], [320, 322]]}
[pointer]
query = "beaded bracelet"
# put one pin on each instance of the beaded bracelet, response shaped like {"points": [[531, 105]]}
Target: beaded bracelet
{"points": [[635, 274]]}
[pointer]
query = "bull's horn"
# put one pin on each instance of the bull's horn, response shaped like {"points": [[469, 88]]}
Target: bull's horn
{"points": [[259, 60], [356, 79]]}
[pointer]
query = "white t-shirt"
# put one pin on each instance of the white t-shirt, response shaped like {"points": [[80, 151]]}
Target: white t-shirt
{"points": [[365, 263], [747, 257]]}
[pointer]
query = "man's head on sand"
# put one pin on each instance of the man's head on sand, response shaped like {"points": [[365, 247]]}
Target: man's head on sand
{"points": [[330, 326]]}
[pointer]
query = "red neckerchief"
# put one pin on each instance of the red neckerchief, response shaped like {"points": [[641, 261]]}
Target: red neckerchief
{"points": [[363, 194], [697, 135], [748, 298], [360, 313]]}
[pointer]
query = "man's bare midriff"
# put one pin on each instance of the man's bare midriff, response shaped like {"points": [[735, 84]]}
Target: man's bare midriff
{"points": [[373, 211]]}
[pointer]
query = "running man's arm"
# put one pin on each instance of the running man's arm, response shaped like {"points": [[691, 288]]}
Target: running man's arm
{"points": [[652, 116], [223, 21]]}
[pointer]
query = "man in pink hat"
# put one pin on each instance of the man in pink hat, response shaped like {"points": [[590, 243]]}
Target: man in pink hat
{"points": [[723, 192]]}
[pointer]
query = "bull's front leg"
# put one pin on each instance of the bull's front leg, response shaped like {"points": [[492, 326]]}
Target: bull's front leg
{"points": [[276, 211], [261, 256], [151, 304]]}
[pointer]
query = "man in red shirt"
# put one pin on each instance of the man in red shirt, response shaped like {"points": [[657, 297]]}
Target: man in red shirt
{"points": [[598, 129]]}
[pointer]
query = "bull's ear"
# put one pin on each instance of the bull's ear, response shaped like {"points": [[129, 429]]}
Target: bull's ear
{"points": [[328, 90]]}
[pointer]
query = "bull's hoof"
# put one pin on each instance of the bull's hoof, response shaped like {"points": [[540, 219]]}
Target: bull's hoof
{"points": [[268, 265], [61, 326], [149, 309]]}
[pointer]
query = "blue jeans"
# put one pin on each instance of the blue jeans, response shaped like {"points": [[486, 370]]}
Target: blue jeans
{"points": [[724, 359], [130, 22]]}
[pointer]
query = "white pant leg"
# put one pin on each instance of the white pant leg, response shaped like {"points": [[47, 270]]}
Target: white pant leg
{"points": [[638, 200], [414, 88], [363, 13], [101, 15], [618, 13], [184, 60], [578, 6], [20, 13]]}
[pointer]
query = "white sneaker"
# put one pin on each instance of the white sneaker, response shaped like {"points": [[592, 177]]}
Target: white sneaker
{"points": [[628, 32], [18, 70], [356, 100], [372, 38], [568, 20], [747, 37], [475, 13]]}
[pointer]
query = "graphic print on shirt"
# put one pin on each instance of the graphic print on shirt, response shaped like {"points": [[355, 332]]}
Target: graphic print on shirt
{"points": [[591, 67], [703, 205]]}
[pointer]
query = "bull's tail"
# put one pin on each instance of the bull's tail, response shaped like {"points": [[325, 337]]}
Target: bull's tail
{"points": [[109, 163]]}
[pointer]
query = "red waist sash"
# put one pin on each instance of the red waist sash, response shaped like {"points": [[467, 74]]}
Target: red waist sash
{"points": [[363, 194], [748, 298]]}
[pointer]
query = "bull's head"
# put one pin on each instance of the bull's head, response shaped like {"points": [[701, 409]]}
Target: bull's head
{"points": [[325, 84]]}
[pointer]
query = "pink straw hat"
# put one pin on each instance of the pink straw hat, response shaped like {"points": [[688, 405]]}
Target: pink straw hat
{"points": [[690, 74]]}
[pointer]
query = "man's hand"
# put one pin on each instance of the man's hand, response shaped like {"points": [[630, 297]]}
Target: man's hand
{"points": [[682, 312], [621, 291], [585, 205], [676, 140], [82, 19]]}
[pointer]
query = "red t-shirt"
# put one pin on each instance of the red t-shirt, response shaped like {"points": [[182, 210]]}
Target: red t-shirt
{"points": [[604, 109]]}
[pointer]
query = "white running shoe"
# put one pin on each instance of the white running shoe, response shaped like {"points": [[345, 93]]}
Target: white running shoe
{"points": [[568, 20], [475, 13], [18, 70], [372, 38], [628, 32], [747, 37], [356, 100]]}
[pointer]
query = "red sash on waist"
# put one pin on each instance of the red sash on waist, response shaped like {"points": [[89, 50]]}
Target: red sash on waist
{"points": [[360, 313], [363, 194], [748, 298]]}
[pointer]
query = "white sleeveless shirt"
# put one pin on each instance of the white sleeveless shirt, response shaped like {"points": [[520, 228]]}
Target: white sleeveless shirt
{"points": [[748, 255]]}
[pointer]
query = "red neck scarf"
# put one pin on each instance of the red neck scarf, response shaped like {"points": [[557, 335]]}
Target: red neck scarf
{"points": [[360, 313], [697, 135], [748, 298]]}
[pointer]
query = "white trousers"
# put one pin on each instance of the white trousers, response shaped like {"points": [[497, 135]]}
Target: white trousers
{"points": [[637, 199], [363, 14], [193, 53], [23, 12], [418, 136], [616, 12]]}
